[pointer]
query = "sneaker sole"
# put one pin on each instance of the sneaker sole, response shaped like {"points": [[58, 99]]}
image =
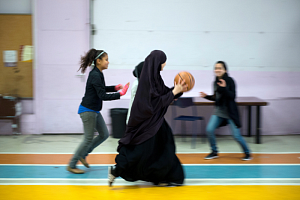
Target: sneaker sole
{"points": [[212, 158], [247, 159]]}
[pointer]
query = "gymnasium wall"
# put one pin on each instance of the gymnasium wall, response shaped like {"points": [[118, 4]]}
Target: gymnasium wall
{"points": [[258, 39]]}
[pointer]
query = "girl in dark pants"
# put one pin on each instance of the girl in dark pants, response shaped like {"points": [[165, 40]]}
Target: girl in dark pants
{"points": [[147, 150], [91, 104], [225, 112]]}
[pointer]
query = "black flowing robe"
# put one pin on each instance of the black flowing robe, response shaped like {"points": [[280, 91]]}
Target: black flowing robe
{"points": [[147, 150], [150, 104]]}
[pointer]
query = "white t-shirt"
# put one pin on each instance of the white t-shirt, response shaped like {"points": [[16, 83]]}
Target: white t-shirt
{"points": [[133, 92]]}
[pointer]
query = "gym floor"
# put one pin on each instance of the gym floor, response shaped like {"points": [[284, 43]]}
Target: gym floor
{"points": [[34, 167]]}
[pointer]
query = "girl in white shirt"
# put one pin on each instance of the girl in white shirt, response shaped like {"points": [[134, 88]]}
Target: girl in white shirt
{"points": [[137, 73]]}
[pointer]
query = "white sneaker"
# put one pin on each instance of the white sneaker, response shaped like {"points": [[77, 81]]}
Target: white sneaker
{"points": [[111, 177]]}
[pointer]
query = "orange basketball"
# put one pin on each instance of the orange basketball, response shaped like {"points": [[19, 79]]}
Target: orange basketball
{"points": [[188, 77]]}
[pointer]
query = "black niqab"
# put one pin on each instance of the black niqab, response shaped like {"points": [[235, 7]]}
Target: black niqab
{"points": [[150, 103]]}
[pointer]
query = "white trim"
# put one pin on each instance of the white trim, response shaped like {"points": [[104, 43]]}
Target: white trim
{"points": [[100, 153], [208, 164], [239, 152], [236, 164], [54, 153], [119, 181], [52, 165]]}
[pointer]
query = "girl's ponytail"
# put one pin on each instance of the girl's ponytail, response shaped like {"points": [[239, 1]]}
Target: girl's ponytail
{"points": [[89, 58]]}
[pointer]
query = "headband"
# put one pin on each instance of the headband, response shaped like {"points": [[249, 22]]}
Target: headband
{"points": [[99, 55]]}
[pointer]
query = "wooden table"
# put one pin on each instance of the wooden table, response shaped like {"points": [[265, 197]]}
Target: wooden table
{"points": [[241, 101]]}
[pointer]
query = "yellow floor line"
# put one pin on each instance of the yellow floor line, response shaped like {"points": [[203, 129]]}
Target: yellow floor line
{"points": [[65, 192]]}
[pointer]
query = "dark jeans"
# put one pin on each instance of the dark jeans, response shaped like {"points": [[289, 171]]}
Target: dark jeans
{"points": [[214, 123], [92, 122]]}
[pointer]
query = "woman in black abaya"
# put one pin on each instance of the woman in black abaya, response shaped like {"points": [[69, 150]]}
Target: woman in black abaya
{"points": [[147, 150]]}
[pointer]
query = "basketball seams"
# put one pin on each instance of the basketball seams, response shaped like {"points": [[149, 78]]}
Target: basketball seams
{"points": [[180, 76], [184, 75], [190, 79]]}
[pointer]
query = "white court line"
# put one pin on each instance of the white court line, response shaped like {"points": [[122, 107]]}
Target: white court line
{"points": [[237, 164], [95, 165], [53, 165], [176, 153], [196, 179], [122, 182], [53, 153], [240, 152]]}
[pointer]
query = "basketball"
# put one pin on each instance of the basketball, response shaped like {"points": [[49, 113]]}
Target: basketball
{"points": [[188, 77]]}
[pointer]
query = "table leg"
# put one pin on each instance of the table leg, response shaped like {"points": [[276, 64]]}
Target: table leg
{"points": [[249, 121], [258, 125]]}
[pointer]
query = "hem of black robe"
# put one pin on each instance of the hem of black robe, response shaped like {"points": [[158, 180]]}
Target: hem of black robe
{"points": [[154, 160]]}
